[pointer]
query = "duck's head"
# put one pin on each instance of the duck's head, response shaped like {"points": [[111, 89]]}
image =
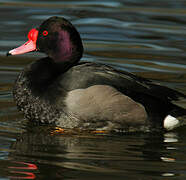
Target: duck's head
{"points": [[56, 37]]}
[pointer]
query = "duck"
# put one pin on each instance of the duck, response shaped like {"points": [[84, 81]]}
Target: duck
{"points": [[63, 91]]}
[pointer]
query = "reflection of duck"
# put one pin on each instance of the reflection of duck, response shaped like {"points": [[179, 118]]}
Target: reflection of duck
{"points": [[59, 90], [35, 155], [21, 169], [85, 155]]}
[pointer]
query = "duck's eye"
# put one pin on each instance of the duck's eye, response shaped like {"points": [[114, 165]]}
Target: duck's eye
{"points": [[45, 33]]}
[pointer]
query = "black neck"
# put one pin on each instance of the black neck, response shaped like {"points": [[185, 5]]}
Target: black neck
{"points": [[42, 73]]}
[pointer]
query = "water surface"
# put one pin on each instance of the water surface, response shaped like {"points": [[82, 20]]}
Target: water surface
{"points": [[144, 37]]}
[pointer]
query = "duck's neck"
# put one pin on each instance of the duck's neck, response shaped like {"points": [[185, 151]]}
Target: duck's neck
{"points": [[42, 73]]}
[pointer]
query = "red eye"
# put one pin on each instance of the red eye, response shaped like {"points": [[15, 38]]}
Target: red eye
{"points": [[45, 33]]}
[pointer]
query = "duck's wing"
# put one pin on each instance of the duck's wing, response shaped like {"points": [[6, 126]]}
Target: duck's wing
{"points": [[154, 89], [85, 75]]}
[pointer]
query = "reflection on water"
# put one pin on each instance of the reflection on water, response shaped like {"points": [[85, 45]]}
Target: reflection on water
{"points": [[144, 37], [37, 154]]}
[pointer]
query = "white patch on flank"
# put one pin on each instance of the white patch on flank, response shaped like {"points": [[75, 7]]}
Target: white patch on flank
{"points": [[170, 122]]}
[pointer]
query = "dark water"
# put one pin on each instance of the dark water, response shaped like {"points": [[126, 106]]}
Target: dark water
{"points": [[146, 37]]}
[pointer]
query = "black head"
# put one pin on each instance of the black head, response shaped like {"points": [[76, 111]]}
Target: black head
{"points": [[59, 39], [56, 37]]}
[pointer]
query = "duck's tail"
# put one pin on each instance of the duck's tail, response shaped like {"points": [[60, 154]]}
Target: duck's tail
{"points": [[175, 119]]}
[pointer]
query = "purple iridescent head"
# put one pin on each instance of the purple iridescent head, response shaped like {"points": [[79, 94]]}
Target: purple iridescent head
{"points": [[56, 37]]}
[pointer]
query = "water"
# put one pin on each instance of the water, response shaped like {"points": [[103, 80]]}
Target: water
{"points": [[144, 37]]}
